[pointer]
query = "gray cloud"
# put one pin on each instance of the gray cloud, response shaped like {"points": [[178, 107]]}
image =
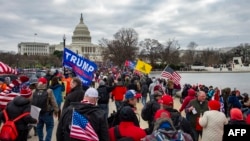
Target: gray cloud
{"points": [[209, 23]]}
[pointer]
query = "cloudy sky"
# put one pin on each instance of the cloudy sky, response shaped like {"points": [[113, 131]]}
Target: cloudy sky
{"points": [[209, 23]]}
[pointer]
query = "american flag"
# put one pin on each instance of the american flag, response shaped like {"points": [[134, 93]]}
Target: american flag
{"points": [[5, 69], [81, 128], [169, 73]]}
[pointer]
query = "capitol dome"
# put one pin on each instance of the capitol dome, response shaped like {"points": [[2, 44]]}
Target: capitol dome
{"points": [[81, 33]]}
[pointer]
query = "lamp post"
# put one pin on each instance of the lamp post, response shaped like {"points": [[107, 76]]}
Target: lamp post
{"points": [[64, 41], [17, 63], [64, 45]]}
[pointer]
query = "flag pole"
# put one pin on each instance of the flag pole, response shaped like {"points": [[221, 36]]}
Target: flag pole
{"points": [[165, 68]]}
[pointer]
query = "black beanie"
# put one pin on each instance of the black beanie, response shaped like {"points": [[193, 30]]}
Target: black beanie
{"points": [[127, 114]]}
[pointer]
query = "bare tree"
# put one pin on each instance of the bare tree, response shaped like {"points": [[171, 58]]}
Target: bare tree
{"points": [[189, 56], [170, 52], [209, 57], [150, 50], [122, 47]]}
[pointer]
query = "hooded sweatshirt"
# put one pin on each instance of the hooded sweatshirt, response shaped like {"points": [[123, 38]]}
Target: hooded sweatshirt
{"points": [[94, 115], [191, 96]]}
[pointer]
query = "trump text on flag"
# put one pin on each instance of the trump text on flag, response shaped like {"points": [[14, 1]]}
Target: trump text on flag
{"points": [[83, 67]]}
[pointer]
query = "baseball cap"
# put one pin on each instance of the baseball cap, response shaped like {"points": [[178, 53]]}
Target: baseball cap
{"points": [[166, 100], [130, 94], [91, 92]]}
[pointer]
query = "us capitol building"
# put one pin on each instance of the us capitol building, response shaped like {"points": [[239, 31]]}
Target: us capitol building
{"points": [[81, 44]]}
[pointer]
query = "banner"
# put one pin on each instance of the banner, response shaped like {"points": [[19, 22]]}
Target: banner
{"points": [[130, 64], [82, 67], [143, 67]]}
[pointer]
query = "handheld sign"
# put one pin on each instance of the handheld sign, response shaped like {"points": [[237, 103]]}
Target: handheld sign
{"points": [[82, 67]]}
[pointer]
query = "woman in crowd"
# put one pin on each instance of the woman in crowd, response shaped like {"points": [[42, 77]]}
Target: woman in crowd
{"points": [[57, 91], [213, 122]]}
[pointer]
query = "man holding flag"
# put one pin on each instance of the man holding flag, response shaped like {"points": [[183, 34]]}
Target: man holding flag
{"points": [[83, 120], [173, 78]]}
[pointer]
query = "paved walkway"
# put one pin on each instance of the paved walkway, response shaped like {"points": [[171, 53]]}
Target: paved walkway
{"points": [[143, 124]]}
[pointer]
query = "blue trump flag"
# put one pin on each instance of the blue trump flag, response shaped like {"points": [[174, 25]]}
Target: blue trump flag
{"points": [[82, 67]]}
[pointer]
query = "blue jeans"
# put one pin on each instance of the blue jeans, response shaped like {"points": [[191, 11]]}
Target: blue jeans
{"points": [[143, 100], [151, 97], [118, 104], [48, 120], [105, 108]]}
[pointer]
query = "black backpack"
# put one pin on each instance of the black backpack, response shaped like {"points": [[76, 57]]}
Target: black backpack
{"points": [[103, 95], [114, 119], [147, 111], [40, 99]]}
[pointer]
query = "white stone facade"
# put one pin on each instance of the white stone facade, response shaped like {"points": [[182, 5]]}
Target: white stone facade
{"points": [[34, 48]]}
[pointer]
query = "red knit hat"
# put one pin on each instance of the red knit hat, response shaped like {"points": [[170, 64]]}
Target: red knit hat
{"points": [[161, 113], [214, 105], [26, 92], [166, 100], [42, 80], [23, 78], [158, 90], [236, 114]]}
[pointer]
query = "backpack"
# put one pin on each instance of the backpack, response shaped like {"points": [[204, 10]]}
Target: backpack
{"points": [[119, 137], [9, 131], [146, 112], [40, 99], [113, 119], [103, 95], [177, 119], [168, 135]]}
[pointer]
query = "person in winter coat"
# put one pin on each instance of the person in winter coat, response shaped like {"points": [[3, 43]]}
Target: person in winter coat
{"points": [[118, 93], [170, 85], [213, 122], [130, 100], [191, 96], [15, 108], [76, 93], [151, 88], [184, 92], [126, 127], [236, 117], [195, 108], [57, 89], [103, 102], [144, 92], [49, 109], [179, 122], [149, 110], [87, 108], [233, 101]]}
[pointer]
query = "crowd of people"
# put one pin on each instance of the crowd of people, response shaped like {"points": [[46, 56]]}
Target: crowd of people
{"points": [[83, 111]]}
